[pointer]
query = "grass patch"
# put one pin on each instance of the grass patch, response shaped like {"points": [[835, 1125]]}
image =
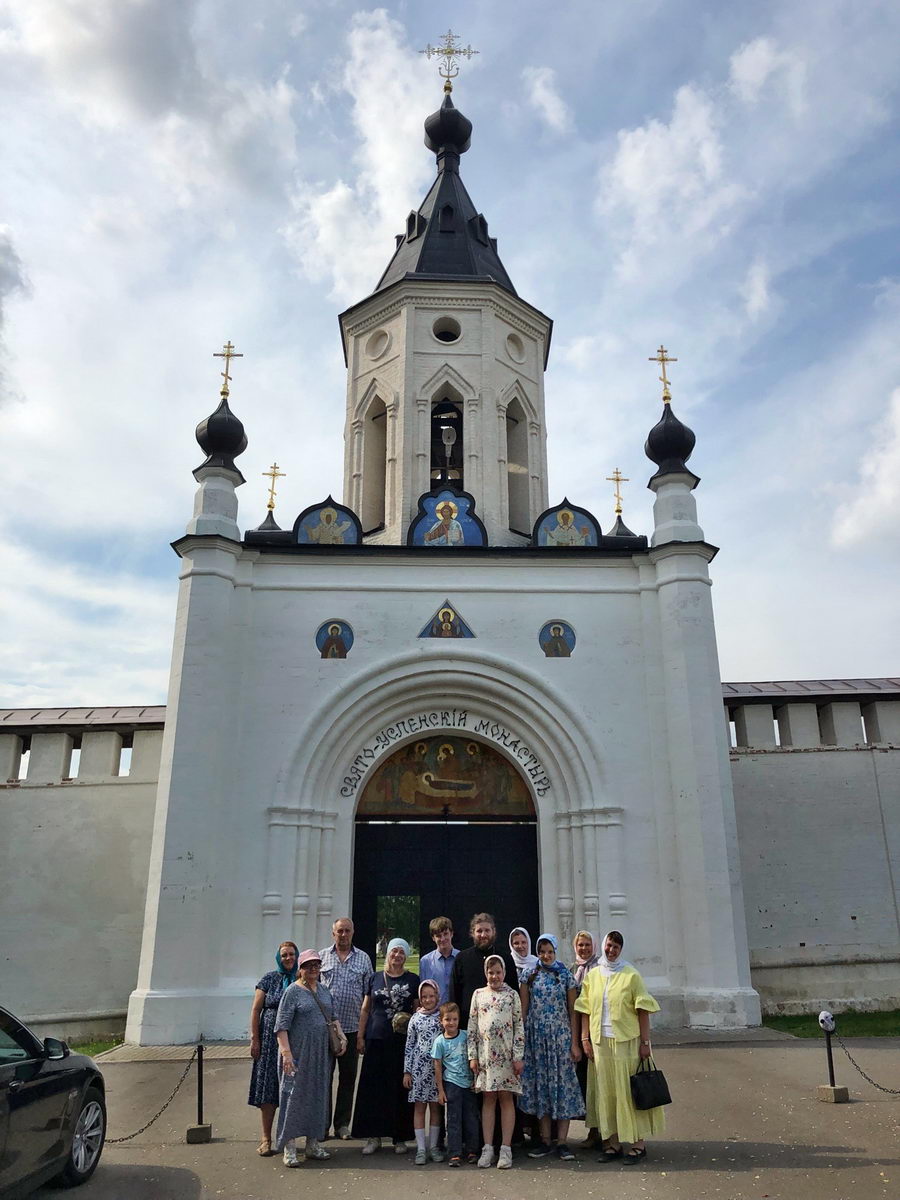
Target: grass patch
{"points": [[94, 1048], [849, 1024]]}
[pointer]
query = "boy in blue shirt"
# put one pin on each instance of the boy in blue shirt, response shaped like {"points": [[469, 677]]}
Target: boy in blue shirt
{"points": [[454, 1084]]}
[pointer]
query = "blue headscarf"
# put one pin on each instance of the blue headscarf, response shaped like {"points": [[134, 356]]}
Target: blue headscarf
{"points": [[556, 966], [287, 977], [396, 943]]}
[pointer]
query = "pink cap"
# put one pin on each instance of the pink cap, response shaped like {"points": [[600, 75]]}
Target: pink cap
{"points": [[308, 956]]}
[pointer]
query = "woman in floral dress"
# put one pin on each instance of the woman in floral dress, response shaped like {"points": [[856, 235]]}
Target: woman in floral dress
{"points": [[496, 1051], [550, 1088], [382, 1108]]}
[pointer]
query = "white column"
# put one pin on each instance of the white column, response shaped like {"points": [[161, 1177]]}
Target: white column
{"points": [[100, 755], [882, 719], [798, 725], [841, 723], [51, 754], [754, 726], [565, 900], [145, 754]]}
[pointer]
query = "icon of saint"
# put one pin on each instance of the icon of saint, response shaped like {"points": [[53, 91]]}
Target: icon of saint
{"points": [[556, 646], [329, 531], [446, 531], [334, 645], [565, 533]]}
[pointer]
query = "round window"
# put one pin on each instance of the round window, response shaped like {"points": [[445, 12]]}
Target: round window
{"points": [[514, 348], [378, 343], [446, 329]]}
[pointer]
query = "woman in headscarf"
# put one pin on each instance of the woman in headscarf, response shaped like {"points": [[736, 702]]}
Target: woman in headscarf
{"points": [[587, 955], [520, 949], [382, 1107], [302, 1027], [550, 1089], [615, 1034], [263, 1046]]}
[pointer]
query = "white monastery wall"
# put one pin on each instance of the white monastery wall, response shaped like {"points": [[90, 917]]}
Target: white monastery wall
{"points": [[819, 834], [73, 861]]}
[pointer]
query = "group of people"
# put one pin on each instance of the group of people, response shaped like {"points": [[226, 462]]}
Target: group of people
{"points": [[522, 1032]]}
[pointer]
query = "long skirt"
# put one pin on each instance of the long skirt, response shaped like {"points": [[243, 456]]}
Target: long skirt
{"points": [[610, 1107], [382, 1102]]}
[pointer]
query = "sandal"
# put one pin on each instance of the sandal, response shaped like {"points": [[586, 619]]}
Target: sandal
{"points": [[610, 1154], [264, 1149], [635, 1155]]}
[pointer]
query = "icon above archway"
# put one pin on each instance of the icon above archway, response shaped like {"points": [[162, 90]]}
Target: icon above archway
{"points": [[446, 623], [566, 525], [446, 518], [334, 639], [446, 776], [557, 639], [328, 524]]}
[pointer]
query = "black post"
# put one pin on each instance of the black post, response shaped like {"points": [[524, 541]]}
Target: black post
{"points": [[200, 1081], [830, 1058]]}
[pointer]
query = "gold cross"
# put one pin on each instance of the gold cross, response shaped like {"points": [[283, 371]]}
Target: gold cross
{"points": [[227, 352], [617, 477], [662, 357], [273, 473], [449, 51]]}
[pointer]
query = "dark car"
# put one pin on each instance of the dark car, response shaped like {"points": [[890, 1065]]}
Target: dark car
{"points": [[52, 1111]]}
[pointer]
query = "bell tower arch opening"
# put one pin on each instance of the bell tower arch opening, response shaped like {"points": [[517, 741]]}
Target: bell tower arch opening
{"points": [[447, 439], [374, 465], [517, 473], [445, 826]]}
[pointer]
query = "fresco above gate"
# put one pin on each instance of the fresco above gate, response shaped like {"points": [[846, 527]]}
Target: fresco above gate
{"points": [[446, 776]]}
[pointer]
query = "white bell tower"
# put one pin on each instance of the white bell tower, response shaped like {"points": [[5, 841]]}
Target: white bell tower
{"points": [[445, 369]]}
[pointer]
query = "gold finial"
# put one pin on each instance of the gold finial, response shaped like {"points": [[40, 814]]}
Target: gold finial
{"points": [[662, 357], [273, 473], [449, 51], [617, 477], [227, 352]]}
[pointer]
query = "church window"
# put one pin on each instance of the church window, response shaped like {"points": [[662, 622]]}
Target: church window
{"points": [[446, 329], [447, 444], [374, 466], [517, 468], [445, 224]]}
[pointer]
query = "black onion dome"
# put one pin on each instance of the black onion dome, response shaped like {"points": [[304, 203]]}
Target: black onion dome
{"points": [[669, 444], [620, 529], [221, 437], [448, 129]]}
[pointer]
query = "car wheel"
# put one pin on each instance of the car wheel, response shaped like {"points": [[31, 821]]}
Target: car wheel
{"points": [[87, 1141]]}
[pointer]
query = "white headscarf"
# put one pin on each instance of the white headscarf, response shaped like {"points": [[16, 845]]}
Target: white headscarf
{"points": [[604, 966], [524, 962]]}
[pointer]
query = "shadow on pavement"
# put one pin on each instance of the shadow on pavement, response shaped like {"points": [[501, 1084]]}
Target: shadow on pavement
{"points": [[751, 1156], [113, 1181]]}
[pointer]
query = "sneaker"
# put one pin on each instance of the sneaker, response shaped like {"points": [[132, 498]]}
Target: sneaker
{"points": [[400, 1147], [504, 1162], [421, 1158], [291, 1158], [541, 1150], [563, 1152], [314, 1150], [457, 1162], [344, 1133], [435, 1154], [372, 1144], [487, 1156]]}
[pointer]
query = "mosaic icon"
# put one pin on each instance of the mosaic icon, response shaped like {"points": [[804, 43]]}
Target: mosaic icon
{"points": [[446, 623], [566, 525], [557, 639], [328, 524], [334, 639], [446, 518]]}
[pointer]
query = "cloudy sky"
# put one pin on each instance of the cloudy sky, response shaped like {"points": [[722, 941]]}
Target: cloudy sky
{"points": [[178, 172]]}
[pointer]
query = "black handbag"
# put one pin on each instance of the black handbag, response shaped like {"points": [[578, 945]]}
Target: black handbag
{"points": [[648, 1086]]}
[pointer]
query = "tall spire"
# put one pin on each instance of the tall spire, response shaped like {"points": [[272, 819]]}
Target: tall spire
{"points": [[447, 238]]}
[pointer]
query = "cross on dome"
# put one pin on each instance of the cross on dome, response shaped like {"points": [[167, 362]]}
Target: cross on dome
{"points": [[449, 51]]}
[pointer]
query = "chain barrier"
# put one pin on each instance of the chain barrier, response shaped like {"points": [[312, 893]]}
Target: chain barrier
{"points": [[128, 1137], [868, 1078]]}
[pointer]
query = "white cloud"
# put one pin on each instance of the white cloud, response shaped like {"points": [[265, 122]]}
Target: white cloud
{"points": [[755, 290], [759, 62], [545, 99], [872, 510], [344, 232], [12, 280]]}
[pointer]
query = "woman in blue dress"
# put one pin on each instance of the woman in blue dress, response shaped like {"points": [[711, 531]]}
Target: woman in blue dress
{"points": [[550, 1088], [263, 1046]]}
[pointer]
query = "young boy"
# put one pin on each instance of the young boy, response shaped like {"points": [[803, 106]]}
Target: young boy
{"points": [[454, 1084], [438, 963]]}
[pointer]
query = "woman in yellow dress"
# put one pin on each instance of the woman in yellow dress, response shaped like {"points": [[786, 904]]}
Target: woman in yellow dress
{"points": [[615, 1009]]}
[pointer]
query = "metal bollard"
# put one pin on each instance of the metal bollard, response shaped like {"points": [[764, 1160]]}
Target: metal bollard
{"points": [[828, 1092], [200, 1132]]}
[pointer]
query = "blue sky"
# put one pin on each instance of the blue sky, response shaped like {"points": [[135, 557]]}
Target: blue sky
{"points": [[180, 172]]}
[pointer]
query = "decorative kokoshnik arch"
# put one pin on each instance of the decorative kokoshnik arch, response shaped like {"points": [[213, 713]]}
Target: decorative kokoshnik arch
{"points": [[476, 695]]}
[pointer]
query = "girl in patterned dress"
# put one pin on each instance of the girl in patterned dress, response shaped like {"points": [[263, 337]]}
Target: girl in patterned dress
{"points": [[549, 1084], [418, 1066], [497, 1050]]}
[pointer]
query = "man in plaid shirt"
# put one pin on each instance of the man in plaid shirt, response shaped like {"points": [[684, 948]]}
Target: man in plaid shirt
{"points": [[346, 972]]}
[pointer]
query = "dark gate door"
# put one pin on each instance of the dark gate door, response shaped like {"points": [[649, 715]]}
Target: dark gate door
{"points": [[454, 869]]}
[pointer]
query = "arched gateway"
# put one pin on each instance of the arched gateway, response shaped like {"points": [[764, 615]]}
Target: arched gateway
{"points": [[445, 636]]}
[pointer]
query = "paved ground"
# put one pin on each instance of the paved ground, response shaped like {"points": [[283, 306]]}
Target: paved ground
{"points": [[745, 1125]]}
